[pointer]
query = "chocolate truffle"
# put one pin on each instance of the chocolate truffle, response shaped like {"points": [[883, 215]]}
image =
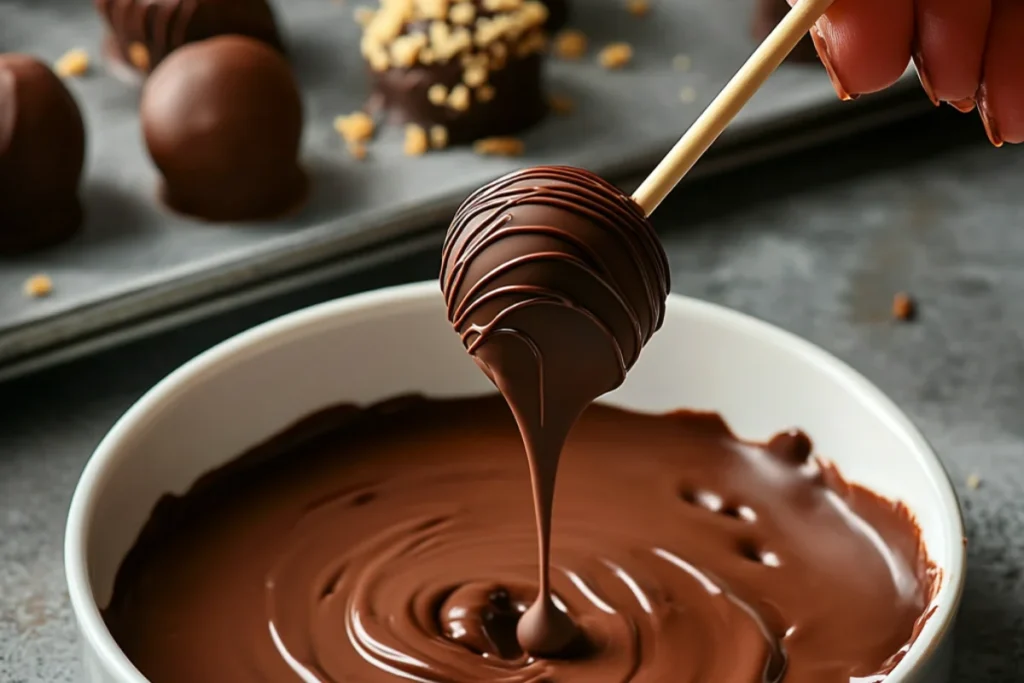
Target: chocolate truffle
{"points": [[471, 67], [42, 149], [223, 122], [767, 15], [141, 33]]}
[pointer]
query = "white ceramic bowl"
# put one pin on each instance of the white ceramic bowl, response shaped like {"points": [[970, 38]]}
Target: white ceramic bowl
{"points": [[372, 346]]}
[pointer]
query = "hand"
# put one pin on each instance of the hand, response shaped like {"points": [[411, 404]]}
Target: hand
{"points": [[969, 53]]}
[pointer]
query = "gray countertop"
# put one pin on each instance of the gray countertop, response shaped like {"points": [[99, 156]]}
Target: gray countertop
{"points": [[817, 243]]}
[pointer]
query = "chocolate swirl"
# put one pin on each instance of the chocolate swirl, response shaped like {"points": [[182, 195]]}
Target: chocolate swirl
{"points": [[555, 280], [42, 149], [162, 26], [396, 545]]}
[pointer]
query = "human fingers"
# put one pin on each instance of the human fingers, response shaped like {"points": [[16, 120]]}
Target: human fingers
{"points": [[865, 44], [1001, 96], [949, 48]]}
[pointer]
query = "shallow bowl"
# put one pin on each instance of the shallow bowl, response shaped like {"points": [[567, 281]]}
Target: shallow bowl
{"points": [[395, 341]]}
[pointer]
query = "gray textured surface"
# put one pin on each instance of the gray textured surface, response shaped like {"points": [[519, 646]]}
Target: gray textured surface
{"points": [[816, 244], [135, 257]]}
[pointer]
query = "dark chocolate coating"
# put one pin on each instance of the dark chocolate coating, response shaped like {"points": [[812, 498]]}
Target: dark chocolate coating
{"points": [[42, 149], [162, 26], [555, 280], [558, 14], [518, 103], [767, 15], [223, 122]]}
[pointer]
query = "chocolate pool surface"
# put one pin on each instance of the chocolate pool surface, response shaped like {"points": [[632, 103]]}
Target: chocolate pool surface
{"points": [[398, 542]]}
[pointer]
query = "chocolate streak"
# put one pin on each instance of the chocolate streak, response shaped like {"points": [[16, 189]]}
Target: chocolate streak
{"points": [[162, 26], [394, 542], [555, 280]]}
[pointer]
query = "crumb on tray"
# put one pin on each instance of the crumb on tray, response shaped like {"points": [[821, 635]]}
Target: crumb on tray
{"points": [[38, 286], [499, 146], [73, 63], [615, 55]]}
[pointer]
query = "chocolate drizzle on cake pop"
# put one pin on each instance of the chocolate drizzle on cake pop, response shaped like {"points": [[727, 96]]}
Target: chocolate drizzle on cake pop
{"points": [[472, 67], [555, 280], [143, 32], [42, 149]]}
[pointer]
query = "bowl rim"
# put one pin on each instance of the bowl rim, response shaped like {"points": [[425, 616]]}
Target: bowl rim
{"points": [[98, 640]]}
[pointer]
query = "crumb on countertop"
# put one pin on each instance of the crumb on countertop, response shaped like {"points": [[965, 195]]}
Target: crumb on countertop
{"points": [[357, 150], [38, 286], [560, 104], [571, 44], [903, 307], [688, 94], [73, 63], [138, 55], [638, 8], [356, 127], [499, 146], [682, 62], [615, 55], [416, 141], [438, 137], [973, 482]]}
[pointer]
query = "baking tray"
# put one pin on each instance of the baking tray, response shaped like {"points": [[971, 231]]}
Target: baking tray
{"points": [[136, 262]]}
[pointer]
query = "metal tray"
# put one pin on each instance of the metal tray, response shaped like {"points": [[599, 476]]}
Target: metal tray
{"points": [[136, 260]]}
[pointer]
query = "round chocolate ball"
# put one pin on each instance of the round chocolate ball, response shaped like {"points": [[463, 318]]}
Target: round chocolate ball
{"points": [[222, 119], [468, 70], [42, 149], [554, 273], [141, 33]]}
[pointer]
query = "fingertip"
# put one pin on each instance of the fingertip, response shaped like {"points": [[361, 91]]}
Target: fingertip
{"points": [[1001, 97]]}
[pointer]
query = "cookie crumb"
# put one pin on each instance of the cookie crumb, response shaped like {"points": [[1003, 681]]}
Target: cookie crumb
{"points": [[682, 63], [38, 286], [615, 55], [903, 307], [973, 482], [499, 146], [357, 150], [138, 55], [438, 137], [416, 142], [688, 95], [459, 98], [356, 127], [638, 8], [571, 44], [363, 16], [73, 63], [561, 104]]}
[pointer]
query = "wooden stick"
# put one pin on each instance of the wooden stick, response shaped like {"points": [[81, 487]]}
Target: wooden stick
{"points": [[706, 129]]}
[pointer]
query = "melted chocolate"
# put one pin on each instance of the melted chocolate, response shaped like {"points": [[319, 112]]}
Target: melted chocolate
{"points": [[395, 543], [42, 149], [555, 280], [223, 122], [162, 26]]}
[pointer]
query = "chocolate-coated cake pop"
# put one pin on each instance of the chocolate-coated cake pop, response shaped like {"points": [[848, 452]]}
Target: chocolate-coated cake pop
{"points": [[767, 15], [223, 122], [472, 67], [42, 149], [141, 33], [555, 281]]}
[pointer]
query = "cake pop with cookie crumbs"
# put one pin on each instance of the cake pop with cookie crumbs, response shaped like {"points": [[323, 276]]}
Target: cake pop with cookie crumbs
{"points": [[470, 67]]}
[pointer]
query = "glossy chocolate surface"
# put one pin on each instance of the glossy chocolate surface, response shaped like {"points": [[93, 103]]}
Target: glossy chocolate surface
{"points": [[397, 543], [222, 120], [42, 150], [554, 280], [143, 32]]}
